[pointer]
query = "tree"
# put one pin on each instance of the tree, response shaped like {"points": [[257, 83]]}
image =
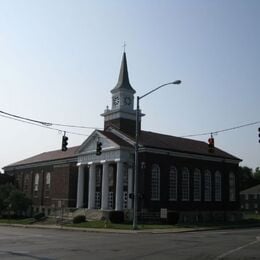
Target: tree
{"points": [[257, 174], [5, 191], [18, 202], [246, 177], [13, 199]]}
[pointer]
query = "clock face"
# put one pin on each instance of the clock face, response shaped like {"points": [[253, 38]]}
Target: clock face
{"points": [[115, 100], [127, 101]]}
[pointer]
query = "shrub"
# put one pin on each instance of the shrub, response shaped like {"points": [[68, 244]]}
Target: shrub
{"points": [[79, 219], [172, 217], [39, 216], [116, 216]]}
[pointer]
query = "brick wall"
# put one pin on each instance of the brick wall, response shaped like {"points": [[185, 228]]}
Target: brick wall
{"points": [[165, 162]]}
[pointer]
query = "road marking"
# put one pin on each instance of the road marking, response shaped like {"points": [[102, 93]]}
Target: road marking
{"points": [[238, 248]]}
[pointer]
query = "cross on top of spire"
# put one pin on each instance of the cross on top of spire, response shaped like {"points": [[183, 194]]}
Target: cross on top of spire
{"points": [[124, 46], [123, 80]]}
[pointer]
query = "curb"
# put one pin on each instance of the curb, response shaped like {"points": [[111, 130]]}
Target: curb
{"points": [[123, 231], [104, 230]]}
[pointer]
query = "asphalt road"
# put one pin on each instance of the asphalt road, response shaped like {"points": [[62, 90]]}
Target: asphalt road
{"points": [[30, 243]]}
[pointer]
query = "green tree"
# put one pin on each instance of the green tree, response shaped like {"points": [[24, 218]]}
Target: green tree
{"points": [[18, 202], [246, 177], [257, 174], [13, 199], [5, 191]]}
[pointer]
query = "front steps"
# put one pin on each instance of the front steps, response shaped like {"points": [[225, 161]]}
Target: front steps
{"points": [[91, 214]]}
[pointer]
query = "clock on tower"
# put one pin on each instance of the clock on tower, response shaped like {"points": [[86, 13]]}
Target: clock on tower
{"points": [[127, 101], [116, 100]]}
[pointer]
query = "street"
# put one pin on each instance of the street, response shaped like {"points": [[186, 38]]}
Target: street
{"points": [[47, 244]]}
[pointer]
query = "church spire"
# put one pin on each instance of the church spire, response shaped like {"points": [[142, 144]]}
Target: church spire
{"points": [[122, 114], [123, 79]]}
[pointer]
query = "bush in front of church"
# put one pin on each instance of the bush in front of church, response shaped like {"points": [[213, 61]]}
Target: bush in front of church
{"points": [[79, 219], [116, 216], [39, 216]]}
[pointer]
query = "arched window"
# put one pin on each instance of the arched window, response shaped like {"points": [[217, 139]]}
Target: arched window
{"points": [[185, 184], [48, 178], [232, 187], [218, 187], [197, 185], [36, 184], [47, 183], [173, 183], [155, 183], [207, 186]]}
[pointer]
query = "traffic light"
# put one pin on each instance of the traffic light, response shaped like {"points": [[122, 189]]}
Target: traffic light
{"points": [[99, 148], [259, 134], [64, 147], [211, 144]]}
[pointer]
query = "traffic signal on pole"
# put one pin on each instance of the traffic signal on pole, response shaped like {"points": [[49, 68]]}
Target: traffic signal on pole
{"points": [[99, 148], [64, 147], [259, 134], [211, 144]]}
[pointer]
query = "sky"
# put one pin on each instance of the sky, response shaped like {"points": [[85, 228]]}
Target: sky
{"points": [[60, 59]]}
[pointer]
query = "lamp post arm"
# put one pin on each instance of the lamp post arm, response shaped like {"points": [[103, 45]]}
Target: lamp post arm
{"points": [[177, 82]]}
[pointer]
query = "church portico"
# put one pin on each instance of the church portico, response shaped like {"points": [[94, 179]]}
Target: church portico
{"points": [[106, 182]]}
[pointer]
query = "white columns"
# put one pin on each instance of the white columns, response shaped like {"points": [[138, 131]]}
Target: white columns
{"points": [[92, 186], [104, 198], [119, 186], [80, 190], [130, 188]]}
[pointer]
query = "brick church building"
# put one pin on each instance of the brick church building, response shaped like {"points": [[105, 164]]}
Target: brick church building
{"points": [[176, 174]]}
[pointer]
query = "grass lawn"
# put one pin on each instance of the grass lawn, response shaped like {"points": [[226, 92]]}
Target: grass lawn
{"points": [[104, 224], [252, 215], [250, 219]]}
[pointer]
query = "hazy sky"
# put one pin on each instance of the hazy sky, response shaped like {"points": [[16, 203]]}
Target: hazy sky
{"points": [[60, 59]]}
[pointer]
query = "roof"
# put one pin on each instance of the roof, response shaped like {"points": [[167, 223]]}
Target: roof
{"points": [[47, 156], [123, 79], [146, 139], [252, 190], [178, 144], [115, 139]]}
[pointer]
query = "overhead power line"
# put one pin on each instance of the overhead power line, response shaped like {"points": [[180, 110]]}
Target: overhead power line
{"points": [[223, 130], [47, 123], [41, 125]]}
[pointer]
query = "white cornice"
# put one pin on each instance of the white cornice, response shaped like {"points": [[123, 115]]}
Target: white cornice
{"points": [[108, 156], [115, 114]]}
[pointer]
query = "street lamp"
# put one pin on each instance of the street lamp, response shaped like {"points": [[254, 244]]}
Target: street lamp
{"points": [[176, 82]]}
